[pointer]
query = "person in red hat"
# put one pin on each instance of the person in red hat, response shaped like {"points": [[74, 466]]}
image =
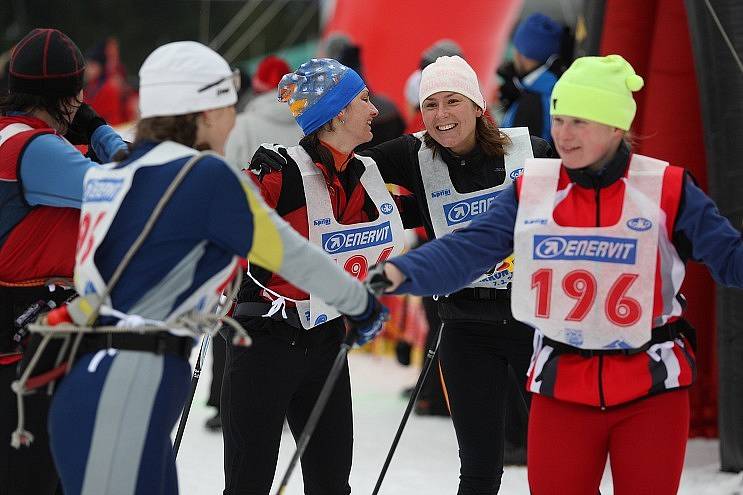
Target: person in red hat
{"points": [[264, 120], [41, 188]]}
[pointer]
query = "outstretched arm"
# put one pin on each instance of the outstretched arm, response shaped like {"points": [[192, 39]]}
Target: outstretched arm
{"points": [[274, 245], [447, 264], [713, 239]]}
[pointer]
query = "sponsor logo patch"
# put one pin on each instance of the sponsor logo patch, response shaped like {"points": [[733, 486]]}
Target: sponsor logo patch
{"points": [[321, 221], [516, 173], [442, 192], [585, 247], [321, 319], [102, 190], [355, 239], [466, 210], [574, 337], [639, 224], [386, 208]]}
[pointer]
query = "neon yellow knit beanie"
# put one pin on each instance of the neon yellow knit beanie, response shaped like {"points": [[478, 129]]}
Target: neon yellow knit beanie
{"points": [[598, 89]]}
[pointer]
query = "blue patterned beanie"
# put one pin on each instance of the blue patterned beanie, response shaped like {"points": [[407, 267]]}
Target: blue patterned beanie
{"points": [[318, 90]]}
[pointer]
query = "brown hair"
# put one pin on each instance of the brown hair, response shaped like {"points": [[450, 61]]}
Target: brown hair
{"points": [[317, 151], [492, 141], [178, 128]]}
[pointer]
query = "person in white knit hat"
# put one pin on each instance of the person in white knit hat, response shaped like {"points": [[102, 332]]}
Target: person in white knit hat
{"points": [[454, 169]]}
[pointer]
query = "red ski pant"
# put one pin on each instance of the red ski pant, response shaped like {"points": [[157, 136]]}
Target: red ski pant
{"points": [[645, 441]]}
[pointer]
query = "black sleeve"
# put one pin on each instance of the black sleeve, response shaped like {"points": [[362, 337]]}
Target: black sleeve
{"points": [[396, 160], [529, 113], [541, 148]]}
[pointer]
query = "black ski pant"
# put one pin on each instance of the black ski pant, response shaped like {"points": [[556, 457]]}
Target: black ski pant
{"points": [[279, 376], [474, 359], [218, 345]]}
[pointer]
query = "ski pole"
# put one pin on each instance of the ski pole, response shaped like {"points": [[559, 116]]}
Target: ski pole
{"points": [[430, 357], [317, 409], [194, 382]]}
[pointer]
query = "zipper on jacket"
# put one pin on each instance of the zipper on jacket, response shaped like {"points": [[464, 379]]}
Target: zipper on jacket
{"points": [[602, 402], [597, 199]]}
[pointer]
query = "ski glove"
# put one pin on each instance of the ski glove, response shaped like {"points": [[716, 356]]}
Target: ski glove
{"points": [[84, 124], [267, 158], [368, 324], [377, 280]]}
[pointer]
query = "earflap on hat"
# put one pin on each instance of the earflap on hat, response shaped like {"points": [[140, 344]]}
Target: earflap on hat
{"points": [[46, 62], [185, 77]]}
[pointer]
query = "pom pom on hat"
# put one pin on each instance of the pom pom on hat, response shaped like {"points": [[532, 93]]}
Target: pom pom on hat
{"points": [[450, 74], [598, 89]]}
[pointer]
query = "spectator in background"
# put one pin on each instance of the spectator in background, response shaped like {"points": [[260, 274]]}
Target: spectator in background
{"points": [[264, 120], [528, 79], [106, 89]]}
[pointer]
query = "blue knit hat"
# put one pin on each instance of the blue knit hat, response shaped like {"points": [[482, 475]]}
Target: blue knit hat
{"points": [[538, 37], [318, 90]]}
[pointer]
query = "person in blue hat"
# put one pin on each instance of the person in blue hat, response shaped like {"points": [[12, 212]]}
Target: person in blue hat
{"points": [[338, 201], [529, 78]]}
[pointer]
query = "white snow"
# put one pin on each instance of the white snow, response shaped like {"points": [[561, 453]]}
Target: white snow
{"points": [[426, 459]]}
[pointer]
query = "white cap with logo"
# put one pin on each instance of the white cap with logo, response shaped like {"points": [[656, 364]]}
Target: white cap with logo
{"points": [[184, 77]]}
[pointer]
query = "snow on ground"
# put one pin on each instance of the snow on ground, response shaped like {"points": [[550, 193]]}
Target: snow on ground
{"points": [[426, 459]]}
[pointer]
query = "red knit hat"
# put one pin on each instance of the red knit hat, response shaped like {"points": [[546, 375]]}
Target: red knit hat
{"points": [[268, 74], [46, 62]]}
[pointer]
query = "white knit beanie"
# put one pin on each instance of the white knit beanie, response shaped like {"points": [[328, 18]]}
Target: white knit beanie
{"points": [[451, 74]]}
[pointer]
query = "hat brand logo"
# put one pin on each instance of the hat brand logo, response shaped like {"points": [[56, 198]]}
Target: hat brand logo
{"points": [[554, 103]]}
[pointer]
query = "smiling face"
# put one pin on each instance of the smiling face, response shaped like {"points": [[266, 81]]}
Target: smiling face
{"points": [[357, 119], [450, 119], [584, 143]]}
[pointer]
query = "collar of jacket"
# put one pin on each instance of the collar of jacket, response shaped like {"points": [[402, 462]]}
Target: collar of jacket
{"points": [[612, 171], [472, 159]]}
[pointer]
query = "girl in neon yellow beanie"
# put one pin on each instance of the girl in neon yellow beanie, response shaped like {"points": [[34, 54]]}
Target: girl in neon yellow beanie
{"points": [[601, 237]]}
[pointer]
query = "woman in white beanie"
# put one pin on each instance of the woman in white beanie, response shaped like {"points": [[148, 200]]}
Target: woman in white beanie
{"points": [[112, 416], [454, 169]]}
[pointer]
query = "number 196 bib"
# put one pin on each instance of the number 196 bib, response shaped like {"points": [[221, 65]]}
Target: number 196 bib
{"points": [[588, 287]]}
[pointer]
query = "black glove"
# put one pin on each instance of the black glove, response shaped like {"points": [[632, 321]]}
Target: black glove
{"points": [[368, 324], [377, 280], [267, 158], [84, 124], [403, 350]]}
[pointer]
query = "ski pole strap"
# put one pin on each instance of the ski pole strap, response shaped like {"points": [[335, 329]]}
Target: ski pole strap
{"points": [[248, 309]]}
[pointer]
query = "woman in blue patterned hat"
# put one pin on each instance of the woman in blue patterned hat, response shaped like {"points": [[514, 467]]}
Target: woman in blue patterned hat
{"points": [[339, 201]]}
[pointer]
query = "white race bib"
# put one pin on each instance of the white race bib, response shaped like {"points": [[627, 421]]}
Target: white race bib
{"points": [[588, 287]]}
